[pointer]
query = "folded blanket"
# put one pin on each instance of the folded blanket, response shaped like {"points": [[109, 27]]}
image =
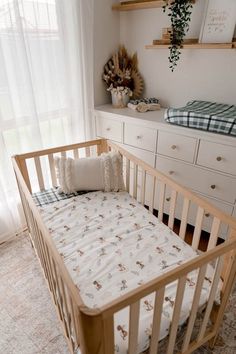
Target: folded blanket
{"points": [[144, 104]]}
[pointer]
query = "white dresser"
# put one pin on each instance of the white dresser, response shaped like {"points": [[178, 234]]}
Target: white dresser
{"points": [[204, 162]]}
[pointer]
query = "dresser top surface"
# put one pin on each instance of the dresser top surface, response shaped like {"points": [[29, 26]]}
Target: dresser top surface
{"points": [[155, 119]]}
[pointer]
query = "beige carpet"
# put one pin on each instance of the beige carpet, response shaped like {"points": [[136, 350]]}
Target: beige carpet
{"points": [[28, 322]]}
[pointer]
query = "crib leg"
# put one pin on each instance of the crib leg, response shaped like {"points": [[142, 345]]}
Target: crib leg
{"points": [[98, 334], [218, 311]]}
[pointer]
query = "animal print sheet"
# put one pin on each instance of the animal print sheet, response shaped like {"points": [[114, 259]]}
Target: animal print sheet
{"points": [[111, 244]]}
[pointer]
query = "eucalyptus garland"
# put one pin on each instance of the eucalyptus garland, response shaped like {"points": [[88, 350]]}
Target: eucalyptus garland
{"points": [[179, 12]]}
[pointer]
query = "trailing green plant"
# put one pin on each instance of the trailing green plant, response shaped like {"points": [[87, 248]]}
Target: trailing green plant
{"points": [[179, 12]]}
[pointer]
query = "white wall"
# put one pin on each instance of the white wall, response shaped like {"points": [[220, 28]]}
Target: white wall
{"points": [[200, 74], [106, 41]]}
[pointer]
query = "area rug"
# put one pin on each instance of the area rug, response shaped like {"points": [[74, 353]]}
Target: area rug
{"points": [[28, 323]]}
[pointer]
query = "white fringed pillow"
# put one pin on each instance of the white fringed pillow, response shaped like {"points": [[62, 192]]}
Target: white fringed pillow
{"points": [[104, 173]]}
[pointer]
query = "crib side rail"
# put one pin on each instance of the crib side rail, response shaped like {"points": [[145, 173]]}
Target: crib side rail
{"points": [[102, 327], [63, 291]]}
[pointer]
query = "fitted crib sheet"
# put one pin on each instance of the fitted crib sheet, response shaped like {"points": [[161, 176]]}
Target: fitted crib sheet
{"points": [[110, 245]]}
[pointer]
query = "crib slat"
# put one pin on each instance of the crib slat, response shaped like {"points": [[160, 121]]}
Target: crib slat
{"points": [[52, 170], [50, 280], [47, 265], [211, 297], [127, 175], [135, 181], [60, 300], [87, 151], [63, 154], [153, 191], [133, 327], [29, 217], [156, 324], [41, 252], [74, 316], [58, 294], [76, 153], [65, 307], [143, 187], [172, 209], [214, 233], [55, 287], [161, 201], [176, 314], [194, 308], [34, 232], [184, 218], [198, 228], [39, 173]]}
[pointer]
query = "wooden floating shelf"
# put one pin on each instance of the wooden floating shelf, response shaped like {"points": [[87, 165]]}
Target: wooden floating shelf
{"points": [[139, 5], [195, 46], [129, 6]]}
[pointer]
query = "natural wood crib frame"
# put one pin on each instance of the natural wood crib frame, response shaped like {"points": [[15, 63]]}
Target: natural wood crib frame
{"points": [[93, 330]]}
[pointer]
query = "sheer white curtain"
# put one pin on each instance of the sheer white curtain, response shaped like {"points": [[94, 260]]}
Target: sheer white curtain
{"points": [[46, 85]]}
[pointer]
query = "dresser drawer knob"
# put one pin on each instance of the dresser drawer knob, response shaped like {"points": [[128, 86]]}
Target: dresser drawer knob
{"points": [[173, 147], [207, 215], [139, 137], [213, 186], [168, 199], [171, 172], [108, 129], [219, 158]]}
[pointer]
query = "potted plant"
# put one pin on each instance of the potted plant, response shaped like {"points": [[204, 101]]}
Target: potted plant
{"points": [[122, 77], [179, 12]]}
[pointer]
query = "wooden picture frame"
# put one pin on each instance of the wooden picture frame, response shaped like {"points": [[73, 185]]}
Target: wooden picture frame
{"points": [[219, 21]]}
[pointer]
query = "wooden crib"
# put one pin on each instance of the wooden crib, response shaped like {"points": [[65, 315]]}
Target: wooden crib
{"points": [[93, 330]]}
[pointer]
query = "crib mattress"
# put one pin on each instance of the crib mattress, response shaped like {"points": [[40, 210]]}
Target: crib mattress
{"points": [[111, 244]]}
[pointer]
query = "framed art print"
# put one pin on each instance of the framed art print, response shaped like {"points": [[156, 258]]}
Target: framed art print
{"points": [[219, 21]]}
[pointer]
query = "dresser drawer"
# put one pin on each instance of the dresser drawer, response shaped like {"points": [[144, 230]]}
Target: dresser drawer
{"points": [[109, 129], [205, 182], [217, 156], [178, 146], [141, 137], [144, 155]]}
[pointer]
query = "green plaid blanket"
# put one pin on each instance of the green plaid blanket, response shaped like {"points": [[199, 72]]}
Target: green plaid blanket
{"points": [[51, 195], [210, 116]]}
